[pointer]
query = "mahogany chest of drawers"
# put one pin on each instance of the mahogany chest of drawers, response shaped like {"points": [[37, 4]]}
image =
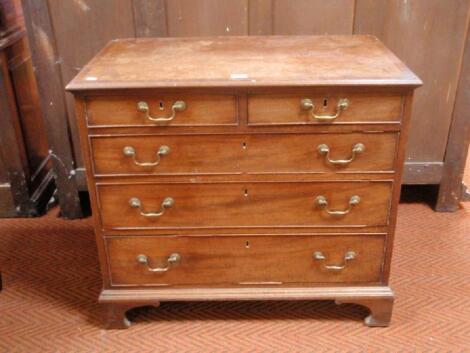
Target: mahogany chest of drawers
{"points": [[244, 168]]}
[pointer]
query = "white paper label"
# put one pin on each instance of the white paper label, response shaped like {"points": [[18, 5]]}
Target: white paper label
{"points": [[239, 76]]}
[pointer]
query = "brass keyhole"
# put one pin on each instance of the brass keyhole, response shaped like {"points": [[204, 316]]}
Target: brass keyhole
{"points": [[325, 103], [244, 145], [161, 105], [245, 192], [247, 244]]}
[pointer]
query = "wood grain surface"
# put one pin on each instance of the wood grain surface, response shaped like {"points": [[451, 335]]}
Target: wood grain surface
{"points": [[245, 260], [274, 109], [234, 205], [244, 61], [200, 110], [235, 154], [430, 37]]}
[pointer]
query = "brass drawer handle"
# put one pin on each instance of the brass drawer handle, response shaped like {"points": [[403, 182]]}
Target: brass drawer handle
{"points": [[172, 260], [129, 151], [321, 201], [168, 202], [307, 104], [177, 106], [350, 255], [358, 148]]}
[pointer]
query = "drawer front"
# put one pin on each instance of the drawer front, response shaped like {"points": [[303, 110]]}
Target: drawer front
{"points": [[168, 110], [234, 205], [334, 109], [264, 153], [197, 154], [313, 153], [238, 260]]}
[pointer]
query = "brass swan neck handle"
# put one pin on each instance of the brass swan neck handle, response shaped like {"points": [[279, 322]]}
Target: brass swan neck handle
{"points": [[171, 260], [177, 106], [324, 150], [350, 255], [307, 104], [168, 202], [322, 202], [130, 151]]}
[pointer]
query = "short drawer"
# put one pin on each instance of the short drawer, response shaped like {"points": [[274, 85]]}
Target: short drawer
{"points": [[168, 110], [277, 109], [167, 154], [259, 153], [245, 260], [234, 205]]}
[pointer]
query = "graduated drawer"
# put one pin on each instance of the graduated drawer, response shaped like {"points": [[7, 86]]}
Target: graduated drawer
{"points": [[236, 204], [245, 260], [277, 109], [164, 110], [260, 153]]}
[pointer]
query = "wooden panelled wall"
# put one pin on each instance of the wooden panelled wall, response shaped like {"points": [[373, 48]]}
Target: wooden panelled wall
{"points": [[26, 179], [429, 35]]}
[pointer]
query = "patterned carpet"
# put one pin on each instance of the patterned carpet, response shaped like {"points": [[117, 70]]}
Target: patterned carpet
{"points": [[51, 283]]}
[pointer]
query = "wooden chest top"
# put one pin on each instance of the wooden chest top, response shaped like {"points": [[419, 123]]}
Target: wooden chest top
{"points": [[253, 61]]}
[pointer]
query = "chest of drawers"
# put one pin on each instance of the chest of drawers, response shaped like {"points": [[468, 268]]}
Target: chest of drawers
{"points": [[244, 168]]}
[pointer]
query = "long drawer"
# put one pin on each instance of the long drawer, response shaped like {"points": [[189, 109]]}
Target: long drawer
{"points": [[257, 153], [279, 109], [240, 260], [235, 205], [164, 110]]}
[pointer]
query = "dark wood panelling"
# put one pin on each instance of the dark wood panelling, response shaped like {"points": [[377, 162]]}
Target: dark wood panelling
{"points": [[150, 18], [260, 17], [89, 25], [3, 171], [10, 15], [27, 100], [429, 36], [25, 176], [313, 16], [7, 203], [451, 189], [369, 17], [422, 173], [14, 157], [52, 97], [190, 18]]}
